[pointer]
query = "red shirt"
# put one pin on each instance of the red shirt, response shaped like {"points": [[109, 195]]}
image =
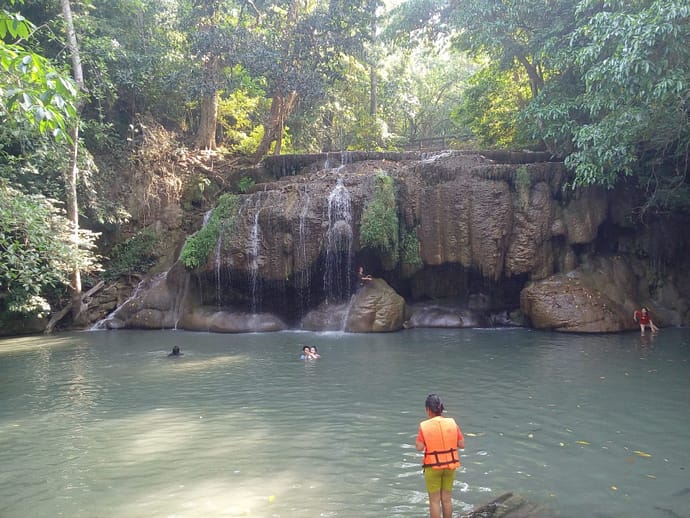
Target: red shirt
{"points": [[642, 318]]}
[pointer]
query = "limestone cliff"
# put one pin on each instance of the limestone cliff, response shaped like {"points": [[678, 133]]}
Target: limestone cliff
{"points": [[483, 229]]}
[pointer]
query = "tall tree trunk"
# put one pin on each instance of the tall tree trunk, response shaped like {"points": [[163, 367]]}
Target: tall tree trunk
{"points": [[373, 98], [72, 175], [536, 81], [281, 108], [208, 120]]}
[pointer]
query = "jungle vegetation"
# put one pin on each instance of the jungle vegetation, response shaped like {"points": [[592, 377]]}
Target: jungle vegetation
{"points": [[602, 84]]}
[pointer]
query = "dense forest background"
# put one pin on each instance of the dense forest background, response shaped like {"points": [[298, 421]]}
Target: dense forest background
{"points": [[99, 95]]}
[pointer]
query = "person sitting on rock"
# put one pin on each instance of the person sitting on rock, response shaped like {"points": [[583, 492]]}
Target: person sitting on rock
{"points": [[362, 276], [643, 318]]}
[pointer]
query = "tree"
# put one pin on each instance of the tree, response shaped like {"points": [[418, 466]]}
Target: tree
{"points": [[36, 95], [491, 106], [619, 106], [32, 90], [209, 48], [511, 38], [297, 47], [72, 175], [35, 251]]}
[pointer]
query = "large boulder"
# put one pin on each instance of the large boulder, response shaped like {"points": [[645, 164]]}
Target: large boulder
{"points": [[217, 320], [152, 305], [376, 307], [595, 298]]}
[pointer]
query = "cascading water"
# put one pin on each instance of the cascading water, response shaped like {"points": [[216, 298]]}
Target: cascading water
{"points": [[345, 158], [254, 240], [337, 283], [219, 250], [303, 277]]}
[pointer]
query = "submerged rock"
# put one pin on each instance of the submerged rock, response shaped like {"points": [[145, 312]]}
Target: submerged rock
{"points": [[510, 505]]}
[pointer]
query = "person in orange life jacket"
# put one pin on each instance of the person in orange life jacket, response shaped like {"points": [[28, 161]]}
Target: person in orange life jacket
{"points": [[439, 437], [643, 318]]}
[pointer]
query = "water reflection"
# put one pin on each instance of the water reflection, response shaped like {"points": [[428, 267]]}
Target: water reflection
{"points": [[104, 423]]}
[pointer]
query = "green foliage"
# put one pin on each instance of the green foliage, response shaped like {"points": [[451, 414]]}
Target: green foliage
{"points": [[491, 106], [32, 90], [135, 255], [36, 251], [378, 228], [624, 88], [368, 134], [239, 114], [198, 247], [409, 250], [246, 183], [250, 144]]}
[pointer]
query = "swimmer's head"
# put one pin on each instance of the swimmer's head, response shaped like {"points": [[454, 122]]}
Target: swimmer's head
{"points": [[176, 350], [305, 349], [313, 349], [434, 404]]}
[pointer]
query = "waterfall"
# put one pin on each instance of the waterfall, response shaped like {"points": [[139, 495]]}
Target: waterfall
{"points": [[253, 263], [302, 266], [345, 158], [180, 300], [339, 244], [219, 251]]}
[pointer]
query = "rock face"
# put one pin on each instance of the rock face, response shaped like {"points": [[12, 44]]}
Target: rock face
{"points": [[495, 220], [493, 237]]}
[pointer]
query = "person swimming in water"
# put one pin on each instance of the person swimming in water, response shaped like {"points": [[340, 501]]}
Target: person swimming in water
{"points": [[314, 352], [306, 353], [175, 352]]}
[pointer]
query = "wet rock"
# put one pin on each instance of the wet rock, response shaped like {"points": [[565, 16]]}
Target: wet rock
{"points": [[437, 315], [327, 317], [224, 321]]}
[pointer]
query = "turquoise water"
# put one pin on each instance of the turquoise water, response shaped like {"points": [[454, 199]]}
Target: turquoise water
{"points": [[104, 424]]}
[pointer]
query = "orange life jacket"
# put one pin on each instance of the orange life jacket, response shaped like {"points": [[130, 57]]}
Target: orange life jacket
{"points": [[441, 443]]}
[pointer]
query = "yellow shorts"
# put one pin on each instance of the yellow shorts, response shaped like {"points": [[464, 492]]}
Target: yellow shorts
{"points": [[437, 479]]}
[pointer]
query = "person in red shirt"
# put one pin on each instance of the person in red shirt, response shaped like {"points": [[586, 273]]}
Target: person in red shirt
{"points": [[642, 317], [439, 437]]}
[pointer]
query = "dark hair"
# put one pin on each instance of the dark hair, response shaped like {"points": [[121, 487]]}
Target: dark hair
{"points": [[305, 347], [434, 403]]}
